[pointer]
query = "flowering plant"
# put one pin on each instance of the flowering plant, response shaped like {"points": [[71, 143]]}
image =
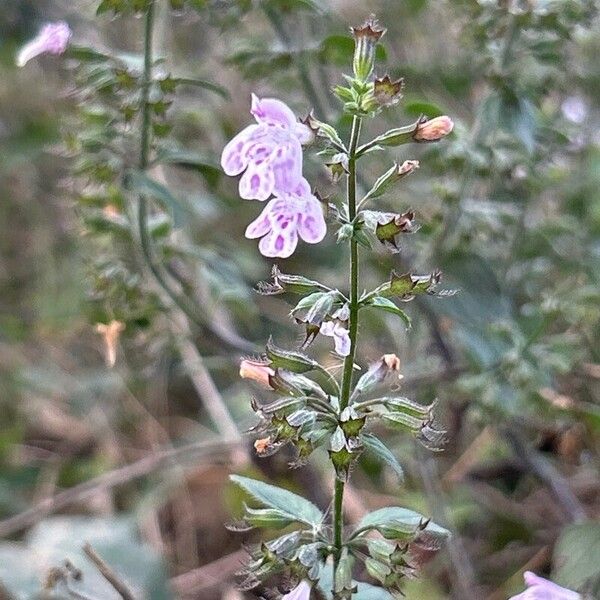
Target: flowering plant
{"points": [[312, 408]]}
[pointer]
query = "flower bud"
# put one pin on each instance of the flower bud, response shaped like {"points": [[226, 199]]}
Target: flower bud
{"points": [[366, 38], [391, 361], [390, 177], [262, 445], [283, 282], [376, 374], [434, 129], [110, 332], [256, 371]]}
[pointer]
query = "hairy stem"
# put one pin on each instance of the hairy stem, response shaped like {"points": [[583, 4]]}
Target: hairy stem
{"points": [[338, 501], [145, 144]]}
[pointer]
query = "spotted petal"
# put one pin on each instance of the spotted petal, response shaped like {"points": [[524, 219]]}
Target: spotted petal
{"points": [[279, 244], [261, 225], [311, 225], [286, 162], [271, 111], [257, 182], [234, 158]]}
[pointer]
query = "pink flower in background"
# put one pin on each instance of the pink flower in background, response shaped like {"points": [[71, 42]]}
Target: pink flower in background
{"points": [[539, 588], [287, 216], [269, 152], [53, 38], [300, 592], [341, 338]]}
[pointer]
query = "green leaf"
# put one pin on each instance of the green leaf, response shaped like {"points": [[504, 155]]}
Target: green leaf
{"points": [[387, 305], [290, 360], [375, 445], [397, 515], [191, 160], [271, 518], [296, 507], [575, 561], [202, 83], [85, 54], [144, 185]]}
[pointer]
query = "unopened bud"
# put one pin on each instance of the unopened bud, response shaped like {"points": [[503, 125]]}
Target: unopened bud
{"points": [[376, 374], [433, 130], [390, 177], [366, 38], [262, 445], [256, 371], [110, 332], [391, 361], [408, 167], [283, 282]]}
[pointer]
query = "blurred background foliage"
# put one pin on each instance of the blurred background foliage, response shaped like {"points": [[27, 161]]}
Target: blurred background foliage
{"points": [[509, 208]]}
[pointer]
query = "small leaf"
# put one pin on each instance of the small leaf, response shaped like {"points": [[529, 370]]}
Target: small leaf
{"points": [[391, 515], [267, 517], [295, 284], [139, 182], [403, 421], [191, 160], [202, 83], [575, 560], [387, 305], [290, 504], [376, 446], [85, 54]]}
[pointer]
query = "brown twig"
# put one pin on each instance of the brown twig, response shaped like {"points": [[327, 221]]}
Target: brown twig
{"points": [[142, 467], [108, 573], [192, 583]]}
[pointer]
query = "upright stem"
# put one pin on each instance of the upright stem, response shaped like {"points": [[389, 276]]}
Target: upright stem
{"points": [[338, 515], [144, 159], [146, 82]]}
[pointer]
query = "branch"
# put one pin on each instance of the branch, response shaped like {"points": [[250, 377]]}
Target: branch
{"points": [[108, 573], [109, 480]]}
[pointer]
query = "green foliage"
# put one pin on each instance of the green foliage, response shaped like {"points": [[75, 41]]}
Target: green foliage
{"points": [[286, 503], [575, 558]]}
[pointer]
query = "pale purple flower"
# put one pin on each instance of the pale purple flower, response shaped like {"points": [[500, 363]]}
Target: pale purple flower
{"points": [[575, 109], [269, 152], [539, 588], [53, 38], [341, 338], [287, 216], [300, 592]]}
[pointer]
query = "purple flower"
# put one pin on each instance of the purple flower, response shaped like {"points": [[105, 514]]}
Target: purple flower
{"points": [[300, 592], [269, 152], [539, 588], [339, 333], [53, 38], [287, 216]]}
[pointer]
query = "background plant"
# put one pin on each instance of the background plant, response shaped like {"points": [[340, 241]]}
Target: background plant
{"points": [[508, 512]]}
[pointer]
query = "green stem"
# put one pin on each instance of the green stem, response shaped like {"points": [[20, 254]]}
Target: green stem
{"points": [[146, 82], [144, 161], [338, 501]]}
